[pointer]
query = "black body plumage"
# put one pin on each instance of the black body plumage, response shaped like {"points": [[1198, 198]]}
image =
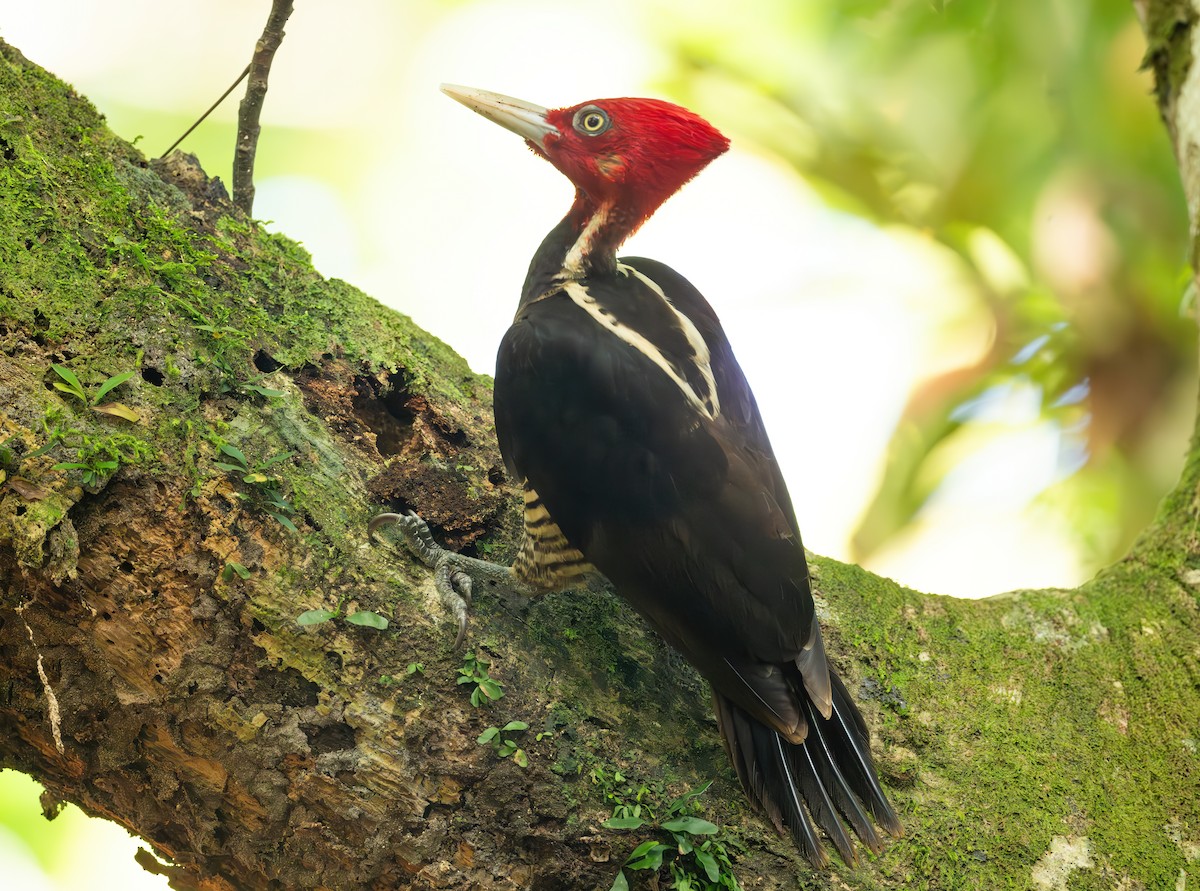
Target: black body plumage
{"points": [[689, 517], [621, 407]]}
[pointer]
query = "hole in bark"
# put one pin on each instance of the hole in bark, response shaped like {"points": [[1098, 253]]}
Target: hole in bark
{"points": [[330, 738], [334, 659], [265, 362], [152, 375], [158, 678], [387, 415], [20, 510], [107, 617], [6, 149], [496, 475], [287, 687], [257, 627], [125, 566]]}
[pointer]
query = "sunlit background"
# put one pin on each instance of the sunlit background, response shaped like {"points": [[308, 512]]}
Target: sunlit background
{"points": [[948, 243]]}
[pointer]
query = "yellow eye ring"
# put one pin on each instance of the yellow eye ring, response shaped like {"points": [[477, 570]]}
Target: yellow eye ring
{"points": [[591, 121]]}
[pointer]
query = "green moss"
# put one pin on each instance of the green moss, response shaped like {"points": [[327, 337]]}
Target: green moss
{"points": [[1002, 698]]}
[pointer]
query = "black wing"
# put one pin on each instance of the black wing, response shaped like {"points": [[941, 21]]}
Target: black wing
{"points": [[687, 515]]}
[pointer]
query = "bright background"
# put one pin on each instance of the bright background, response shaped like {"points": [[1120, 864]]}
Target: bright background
{"points": [[948, 243]]}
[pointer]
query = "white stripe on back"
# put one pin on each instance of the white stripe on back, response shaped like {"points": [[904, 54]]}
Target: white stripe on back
{"points": [[706, 404]]}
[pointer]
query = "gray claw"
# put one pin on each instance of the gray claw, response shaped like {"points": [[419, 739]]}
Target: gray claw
{"points": [[454, 588], [452, 583]]}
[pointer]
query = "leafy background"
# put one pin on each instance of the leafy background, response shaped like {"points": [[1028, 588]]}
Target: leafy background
{"points": [[949, 243]]}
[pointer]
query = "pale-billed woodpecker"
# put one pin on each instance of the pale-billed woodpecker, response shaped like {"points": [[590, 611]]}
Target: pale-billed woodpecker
{"points": [[621, 409]]}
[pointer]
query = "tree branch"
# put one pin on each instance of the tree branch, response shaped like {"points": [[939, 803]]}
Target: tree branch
{"points": [[251, 106], [200, 120]]}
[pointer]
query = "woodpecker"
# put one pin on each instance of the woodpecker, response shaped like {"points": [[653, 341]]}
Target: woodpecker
{"points": [[621, 409]]}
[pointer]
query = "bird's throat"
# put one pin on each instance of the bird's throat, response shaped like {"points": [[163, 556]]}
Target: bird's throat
{"points": [[594, 243], [582, 246]]}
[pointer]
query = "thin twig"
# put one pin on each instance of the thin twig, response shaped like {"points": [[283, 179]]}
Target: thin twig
{"points": [[251, 107], [211, 109]]}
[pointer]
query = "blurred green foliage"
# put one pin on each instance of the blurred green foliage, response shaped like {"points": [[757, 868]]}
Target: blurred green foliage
{"points": [[1024, 138]]}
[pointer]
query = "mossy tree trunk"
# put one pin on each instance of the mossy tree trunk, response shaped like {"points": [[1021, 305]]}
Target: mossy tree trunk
{"points": [[152, 669]]}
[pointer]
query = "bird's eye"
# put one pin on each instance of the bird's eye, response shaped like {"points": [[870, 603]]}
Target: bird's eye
{"points": [[591, 121]]}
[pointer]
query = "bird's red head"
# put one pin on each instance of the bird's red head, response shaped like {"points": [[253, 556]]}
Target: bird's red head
{"points": [[624, 154], [630, 151]]}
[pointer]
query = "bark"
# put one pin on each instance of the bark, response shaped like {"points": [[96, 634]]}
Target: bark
{"points": [[152, 669]]}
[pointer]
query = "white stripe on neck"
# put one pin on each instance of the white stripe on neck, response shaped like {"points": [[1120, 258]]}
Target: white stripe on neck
{"points": [[573, 262]]}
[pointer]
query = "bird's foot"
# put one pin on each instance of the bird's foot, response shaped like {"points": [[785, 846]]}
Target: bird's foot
{"points": [[452, 572]]}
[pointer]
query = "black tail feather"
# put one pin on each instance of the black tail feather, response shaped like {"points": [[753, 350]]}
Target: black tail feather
{"points": [[770, 751], [843, 795], [831, 772], [852, 751]]}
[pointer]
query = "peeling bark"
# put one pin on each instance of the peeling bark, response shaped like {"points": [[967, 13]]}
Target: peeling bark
{"points": [[142, 677]]}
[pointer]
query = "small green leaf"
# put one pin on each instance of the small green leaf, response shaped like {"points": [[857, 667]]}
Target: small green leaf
{"points": [[72, 384], [709, 862], [641, 849], [624, 823], [521, 758], [365, 617], [283, 521], [414, 667], [278, 503], [491, 689], [488, 735], [620, 883], [236, 454], [228, 468], [111, 384], [231, 569], [464, 678], [315, 616], [254, 477], [683, 800], [652, 859], [516, 725], [69, 465], [506, 748], [264, 391], [690, 825], [282, 456]]}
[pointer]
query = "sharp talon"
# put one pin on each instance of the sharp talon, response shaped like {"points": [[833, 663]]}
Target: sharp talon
{"points": [[462, 584], [448, 581], [454, 584], [380, 520]]}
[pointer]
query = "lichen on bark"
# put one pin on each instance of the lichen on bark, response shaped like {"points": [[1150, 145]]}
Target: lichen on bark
{"points": [[256, 753]]}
